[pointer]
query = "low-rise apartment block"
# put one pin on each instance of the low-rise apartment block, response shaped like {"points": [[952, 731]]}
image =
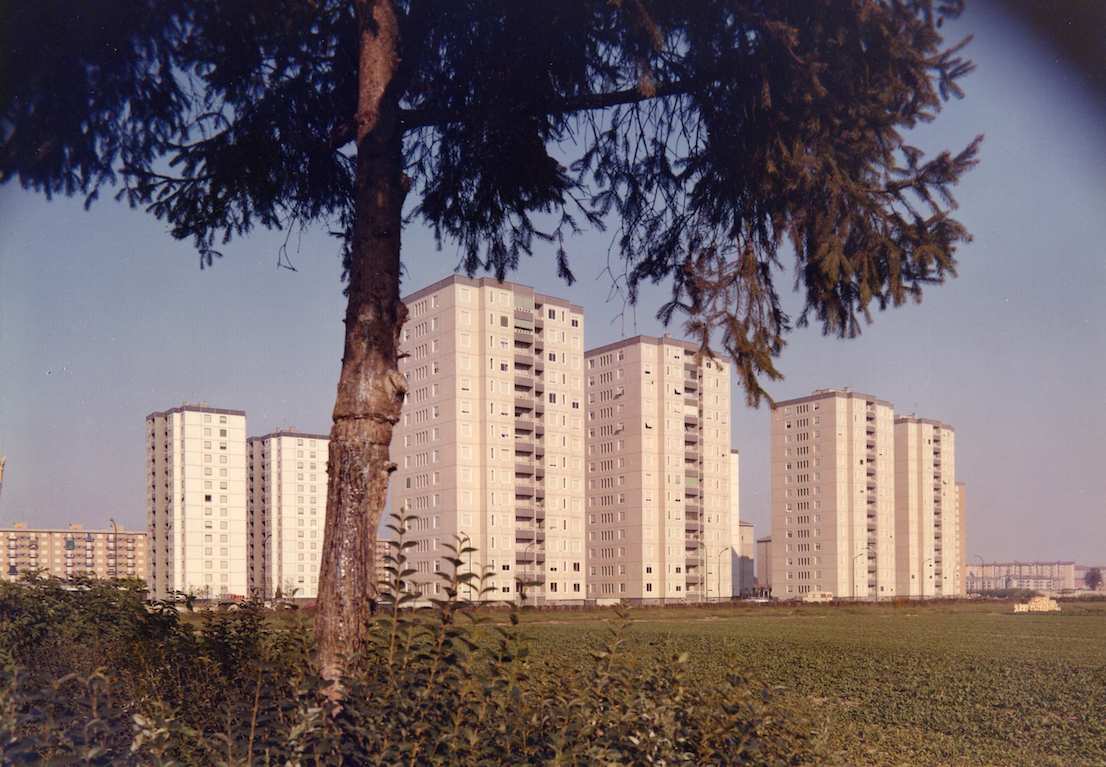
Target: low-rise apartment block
{"points": [[833, 496], [927, 509], [287, 485], [114, 552], [196, 502], [1050, 577], [660, 504], [490, 447]]}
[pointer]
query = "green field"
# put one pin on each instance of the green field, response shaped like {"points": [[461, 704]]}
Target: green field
{"points": [[920, 685]]}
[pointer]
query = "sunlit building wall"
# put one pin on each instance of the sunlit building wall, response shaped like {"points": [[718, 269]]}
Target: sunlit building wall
{"points": [[660, 472], [196, 502], [833, 522]]}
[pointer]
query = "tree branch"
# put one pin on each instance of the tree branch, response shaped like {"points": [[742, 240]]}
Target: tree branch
{"points": [[421, 118], [411, 119]]}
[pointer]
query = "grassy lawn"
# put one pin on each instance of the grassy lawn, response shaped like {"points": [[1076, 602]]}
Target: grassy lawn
{"points": [[920, 685]]}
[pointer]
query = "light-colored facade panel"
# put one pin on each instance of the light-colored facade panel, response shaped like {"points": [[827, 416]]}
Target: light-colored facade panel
{"points": [[659, 472], [927, 514], [65, 553], [490, 448], [833, 501], [196, 502], [1049, 577], [287, 513]]}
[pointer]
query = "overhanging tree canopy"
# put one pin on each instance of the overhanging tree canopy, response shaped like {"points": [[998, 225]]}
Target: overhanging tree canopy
{"points": [[710, 133]]}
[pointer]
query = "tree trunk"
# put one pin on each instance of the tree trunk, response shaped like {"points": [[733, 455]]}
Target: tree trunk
{"points": [[370, 388]]}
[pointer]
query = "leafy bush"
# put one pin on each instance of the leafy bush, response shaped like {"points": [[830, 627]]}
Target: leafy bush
{"points": [[94, 674]]}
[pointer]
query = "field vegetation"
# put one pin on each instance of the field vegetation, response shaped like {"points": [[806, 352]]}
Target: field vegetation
{"points": [[914, 684], [94, 675]]}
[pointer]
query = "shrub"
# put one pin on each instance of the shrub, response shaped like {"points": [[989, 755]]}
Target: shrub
{"points": [[94, 674]]}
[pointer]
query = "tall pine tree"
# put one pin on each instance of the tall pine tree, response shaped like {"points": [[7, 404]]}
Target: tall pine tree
{"points": [[710, 133]]}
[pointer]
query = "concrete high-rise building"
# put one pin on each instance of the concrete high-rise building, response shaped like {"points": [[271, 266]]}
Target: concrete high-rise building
{"points": [[833, 499], [764, 563], [196, 502], [744, 560], [114, 552], [927, 541], [287, 513], [659, 472], [490, 446], [742, 541]]}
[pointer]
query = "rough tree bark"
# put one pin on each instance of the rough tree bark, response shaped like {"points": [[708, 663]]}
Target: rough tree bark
{"points": [[370, 388]]}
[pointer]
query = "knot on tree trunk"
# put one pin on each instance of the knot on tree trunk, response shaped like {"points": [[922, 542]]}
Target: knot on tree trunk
{"points": [[395, 384]]}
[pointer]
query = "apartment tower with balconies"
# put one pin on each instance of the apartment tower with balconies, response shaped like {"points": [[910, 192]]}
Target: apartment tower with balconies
{"points": [[927, 561], [287, 513], [490, 445], [660, 506], [196, 502], [833, 499]]}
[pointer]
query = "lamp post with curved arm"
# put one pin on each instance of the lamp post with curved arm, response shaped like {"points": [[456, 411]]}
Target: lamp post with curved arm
{"points": [[982, 566], [856, 557], [522, 581], [720, 553]]}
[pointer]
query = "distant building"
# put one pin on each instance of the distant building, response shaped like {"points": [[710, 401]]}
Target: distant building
{"points": [[764, 563], [196, 502], [833, 496], [1049, 577], [287, 513], [72, 551], [659, 472], [744, 559]]}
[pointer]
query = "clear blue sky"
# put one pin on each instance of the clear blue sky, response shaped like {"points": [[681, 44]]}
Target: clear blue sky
{"points": [[104, 318]]}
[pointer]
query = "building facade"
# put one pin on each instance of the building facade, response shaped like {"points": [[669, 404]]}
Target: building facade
{"points": [[962, 536], [65, 553], [1049, 577], [287, 486], [833, 499], [927, 510], [744, 561], [490, 444], [660, 503], [196, 502], [764, 564]]}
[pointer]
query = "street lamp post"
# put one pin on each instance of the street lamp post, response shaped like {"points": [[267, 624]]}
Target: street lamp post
{"points": [[720, 553], [856, 557], [522, 581], [982, 566]]}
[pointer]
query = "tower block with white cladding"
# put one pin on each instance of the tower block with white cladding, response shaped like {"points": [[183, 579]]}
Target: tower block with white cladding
{"points": [[490, 444]]}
